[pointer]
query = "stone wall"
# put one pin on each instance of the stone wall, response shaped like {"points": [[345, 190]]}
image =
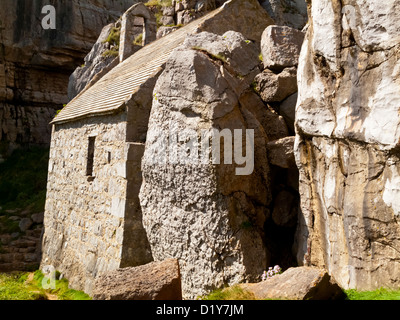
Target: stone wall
{"points": [[84, 215]]}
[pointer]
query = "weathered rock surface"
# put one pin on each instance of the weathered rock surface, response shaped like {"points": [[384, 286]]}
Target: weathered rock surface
{"points": [[280, 47], [35, 63], [276, 87], [95, 62], [200, 212], [292, 13], [274, 125], [285, 209], [163, 31], [347, 145], [280, 152], [153, 281], [287, 109], [302, 283], [25, 224]]}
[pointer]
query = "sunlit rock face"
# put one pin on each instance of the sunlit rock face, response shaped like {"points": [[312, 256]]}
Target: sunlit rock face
{"points": [[347, 143]]}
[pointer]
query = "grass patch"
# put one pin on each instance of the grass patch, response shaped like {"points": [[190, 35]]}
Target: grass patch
{"points": [[159, 3], [22, 286], [61, 288], [215, 57], [15, 287], [110, 53], [114, 36], [114, 40], [138, 40], [231, 293], [379, 294]]}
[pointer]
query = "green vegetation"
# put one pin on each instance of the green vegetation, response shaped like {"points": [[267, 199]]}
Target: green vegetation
{"points": [[253, 86], [379, 294], [15, 287], [23, 179], [113, 39], [138, 40], [113, 36], [158, 3], [61, 288], [58, 111], [218, 57], [111, 53], [229, 293], [28, 286]]}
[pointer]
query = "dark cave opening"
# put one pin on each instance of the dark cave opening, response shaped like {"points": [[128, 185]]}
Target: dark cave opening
{"points": [[280, 227]]}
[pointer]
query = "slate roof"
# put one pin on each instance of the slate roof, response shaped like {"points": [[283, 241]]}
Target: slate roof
{"points": [[111, 92], [117, 86]]}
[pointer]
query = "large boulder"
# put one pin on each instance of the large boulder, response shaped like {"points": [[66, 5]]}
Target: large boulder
{"points": [[210, 216], [302, 283], [153, 281], [280, 47], [347, 145]]}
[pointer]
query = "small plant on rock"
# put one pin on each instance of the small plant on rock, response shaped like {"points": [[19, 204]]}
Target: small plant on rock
{"points": [[271, 272]]}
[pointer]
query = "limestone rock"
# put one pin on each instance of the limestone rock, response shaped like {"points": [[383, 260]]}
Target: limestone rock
{"points": [[95, 61], [302, 283], [280, 47], [35, 64], [292, 13], [163, 31], [280, 152], [348, 133], [235, 16], [167, 20], [204, 213], [274, 125], [168, 11], [153, 281], [287, 109], [274, 87]]}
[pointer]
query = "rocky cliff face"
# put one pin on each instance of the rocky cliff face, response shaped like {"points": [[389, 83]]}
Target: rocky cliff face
{"points": [[347, 144], [35, 63]]}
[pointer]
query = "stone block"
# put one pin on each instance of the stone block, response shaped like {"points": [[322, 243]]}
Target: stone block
{"points": [[276, 87], [280, 47], [302, 283], [153, 281]]}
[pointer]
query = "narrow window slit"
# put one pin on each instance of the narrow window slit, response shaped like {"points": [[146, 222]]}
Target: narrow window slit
{"points": [[90, 157]]}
